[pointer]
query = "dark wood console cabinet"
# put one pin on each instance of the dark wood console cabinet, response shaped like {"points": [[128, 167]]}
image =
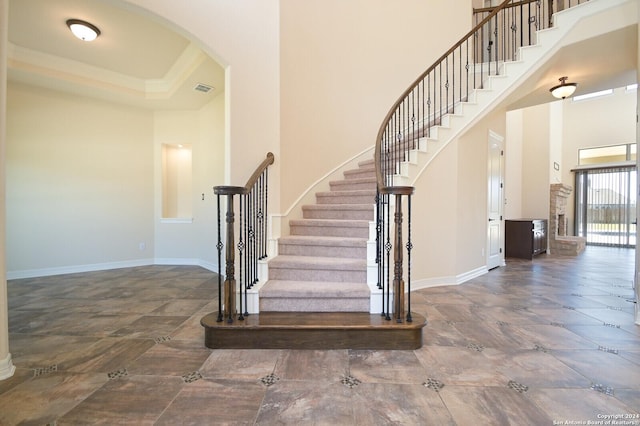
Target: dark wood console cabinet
{"points": [[525, 238]]}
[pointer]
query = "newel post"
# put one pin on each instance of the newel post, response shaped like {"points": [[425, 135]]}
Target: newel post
{"points": [[398, 281], [227, 293], [401, 312]]}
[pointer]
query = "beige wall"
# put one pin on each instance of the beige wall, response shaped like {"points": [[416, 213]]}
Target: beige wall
{"points": [[535, 162], [343, 64], [513, 165], [472, 192], [434, 220], [209, 162], [79, 181], [450, 208]]}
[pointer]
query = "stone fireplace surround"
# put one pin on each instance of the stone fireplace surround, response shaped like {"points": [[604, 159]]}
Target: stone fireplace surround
{"points": [[559, 242]]}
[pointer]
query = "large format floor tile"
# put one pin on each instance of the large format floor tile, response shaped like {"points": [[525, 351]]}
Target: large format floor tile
{"points": [[529, 343]]}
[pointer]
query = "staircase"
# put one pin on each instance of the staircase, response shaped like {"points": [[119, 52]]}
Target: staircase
{"points": [[319, 289], [322, 265]]}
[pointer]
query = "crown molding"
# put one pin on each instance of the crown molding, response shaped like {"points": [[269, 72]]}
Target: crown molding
{"points": [[50, 67]]}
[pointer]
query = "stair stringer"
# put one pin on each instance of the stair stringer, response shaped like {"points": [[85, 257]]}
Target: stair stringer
{"points": [[496, 89]]}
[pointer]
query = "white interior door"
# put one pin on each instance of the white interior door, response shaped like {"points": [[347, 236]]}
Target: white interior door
{"points": [[495, 201]]}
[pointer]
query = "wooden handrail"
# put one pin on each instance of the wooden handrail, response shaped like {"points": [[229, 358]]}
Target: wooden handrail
{"points": [[236, 190], [261, 168]]}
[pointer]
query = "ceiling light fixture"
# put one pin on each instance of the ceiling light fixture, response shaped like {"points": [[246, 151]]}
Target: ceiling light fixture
{"points": [[564, 89], [83, 30]]}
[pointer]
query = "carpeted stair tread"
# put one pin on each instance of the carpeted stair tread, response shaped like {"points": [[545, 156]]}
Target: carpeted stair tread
{"points": [[359, 173], [317, 263], [338, 206], [322, 246], [313, 289], [339, 211], [355, 183], [349, 192], [323, 241], [339, 223]]}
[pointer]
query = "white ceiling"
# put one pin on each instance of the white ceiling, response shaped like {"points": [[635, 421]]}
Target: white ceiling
{"points": [[135, 60], [141, 62]]}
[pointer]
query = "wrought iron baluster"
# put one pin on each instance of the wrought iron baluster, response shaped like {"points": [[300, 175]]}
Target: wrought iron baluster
{"points": [[230, 279], [440, 89], [446, 84], [378, 239], [496, 49], [398, 283], [266, 213], [413, 119], [242, 279], [429, 120], [466, 67], [254, 237], [409, 248], [481, 48], [388, 248]]}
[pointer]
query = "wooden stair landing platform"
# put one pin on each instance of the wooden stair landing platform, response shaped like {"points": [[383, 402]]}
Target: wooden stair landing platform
{"points": [[313, 330]]}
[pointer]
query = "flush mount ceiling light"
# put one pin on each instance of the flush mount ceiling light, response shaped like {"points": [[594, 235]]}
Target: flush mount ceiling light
{"points": [[83, 30], [564, 89]]}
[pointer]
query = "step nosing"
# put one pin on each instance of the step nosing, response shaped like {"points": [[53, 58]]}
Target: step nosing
{"points": [[283, 259], [330, 222], [328, 241], [337, 206]]}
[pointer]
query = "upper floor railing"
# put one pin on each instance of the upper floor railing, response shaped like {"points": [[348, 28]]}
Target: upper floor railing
{"points": [[496, 38], [252, 240]]}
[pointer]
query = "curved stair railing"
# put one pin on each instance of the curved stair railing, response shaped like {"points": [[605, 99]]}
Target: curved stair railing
{"points": [[252, 240], [438, 92]]}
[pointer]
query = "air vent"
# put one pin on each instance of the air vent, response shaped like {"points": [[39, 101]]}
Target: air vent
{"points": [[203, 88]]}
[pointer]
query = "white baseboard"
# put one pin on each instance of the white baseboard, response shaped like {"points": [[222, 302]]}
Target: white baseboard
{"points": [[469, 275], [74, 269], [210, 266], [6, 367], [450, 280]]}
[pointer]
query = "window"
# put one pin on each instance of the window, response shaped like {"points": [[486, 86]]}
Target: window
{"points": [[607, 154]]}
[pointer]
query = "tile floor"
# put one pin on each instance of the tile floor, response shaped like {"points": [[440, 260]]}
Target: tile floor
{"points": [[542, 342]]}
